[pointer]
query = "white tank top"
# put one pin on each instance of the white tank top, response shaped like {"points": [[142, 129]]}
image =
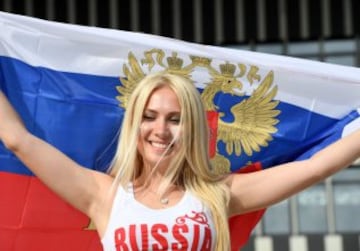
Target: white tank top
{"points": [[132, 226]]}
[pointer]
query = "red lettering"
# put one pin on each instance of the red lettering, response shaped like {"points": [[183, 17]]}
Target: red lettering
{"points": [[207, 240], [144, 237], [163, 237], [182, 243], [132, 236], [195, 243], [120, 240], [156, 231]]}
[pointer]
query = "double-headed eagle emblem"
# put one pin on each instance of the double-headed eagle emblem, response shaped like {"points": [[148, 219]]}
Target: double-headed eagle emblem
{"points": [[253, 115]]}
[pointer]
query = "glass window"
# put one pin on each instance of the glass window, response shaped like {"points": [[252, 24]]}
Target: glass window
{"points": [[276, 219], [312, 210]]}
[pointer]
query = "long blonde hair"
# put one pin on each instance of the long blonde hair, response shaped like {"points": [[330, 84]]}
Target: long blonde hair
{"points": [[191, 167]]}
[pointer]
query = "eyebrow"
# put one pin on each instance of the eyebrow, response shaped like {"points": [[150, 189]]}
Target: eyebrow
{"points": [[156, 112]]}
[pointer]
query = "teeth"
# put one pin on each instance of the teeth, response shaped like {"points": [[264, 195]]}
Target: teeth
{"points": [[159, 145]]}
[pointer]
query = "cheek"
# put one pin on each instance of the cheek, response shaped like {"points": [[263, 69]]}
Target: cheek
{"points": [[143, 130], [176, 133]]}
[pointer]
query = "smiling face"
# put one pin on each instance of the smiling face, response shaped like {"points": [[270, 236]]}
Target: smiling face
{"points": [[159, 127]]}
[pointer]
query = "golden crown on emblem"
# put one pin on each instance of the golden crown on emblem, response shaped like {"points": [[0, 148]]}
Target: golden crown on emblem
{"points": [[174, 62], [227, 69], [201, 61]]}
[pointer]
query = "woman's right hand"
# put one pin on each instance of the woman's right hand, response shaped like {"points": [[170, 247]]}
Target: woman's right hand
{"points": [[11, 126]]}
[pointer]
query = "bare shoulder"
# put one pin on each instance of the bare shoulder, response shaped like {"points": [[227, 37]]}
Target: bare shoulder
{"points": [[103, 183], [103, 199]]}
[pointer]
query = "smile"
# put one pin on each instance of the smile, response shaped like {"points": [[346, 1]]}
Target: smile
{"points": [[159, 145]]}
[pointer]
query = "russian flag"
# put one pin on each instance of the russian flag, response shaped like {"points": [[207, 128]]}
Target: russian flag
{"points": [[70, 83]]}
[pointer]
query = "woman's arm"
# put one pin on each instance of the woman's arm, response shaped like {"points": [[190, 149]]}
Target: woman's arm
{"points": [[261, 189], [79, 186]]}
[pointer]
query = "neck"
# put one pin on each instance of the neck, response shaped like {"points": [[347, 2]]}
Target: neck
{"points": [[153, 189], [153, 173], [154, 181]]}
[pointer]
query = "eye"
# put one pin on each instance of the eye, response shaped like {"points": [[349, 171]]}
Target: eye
{"points": [[148, 117], [175, 120]]}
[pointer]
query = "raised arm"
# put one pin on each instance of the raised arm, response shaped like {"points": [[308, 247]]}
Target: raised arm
{"points": [[79, 186], [261, 189]]}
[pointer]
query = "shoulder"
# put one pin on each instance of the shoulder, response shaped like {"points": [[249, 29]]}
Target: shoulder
{"points": [[103, 200]]}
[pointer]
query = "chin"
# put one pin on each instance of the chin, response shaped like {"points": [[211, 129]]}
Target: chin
{"points": [[159, 161]]}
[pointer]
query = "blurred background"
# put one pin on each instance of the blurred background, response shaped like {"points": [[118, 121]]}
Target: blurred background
{"points": [[325, 217]]}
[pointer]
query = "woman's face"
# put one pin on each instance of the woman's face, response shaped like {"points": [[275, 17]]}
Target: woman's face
{"points": [[159, 127]]}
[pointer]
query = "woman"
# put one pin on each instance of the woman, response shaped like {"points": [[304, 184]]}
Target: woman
{"points": [[160, 192]]}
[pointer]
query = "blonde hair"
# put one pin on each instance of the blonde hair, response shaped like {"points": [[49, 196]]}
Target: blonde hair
{"points": [[191, 167]]}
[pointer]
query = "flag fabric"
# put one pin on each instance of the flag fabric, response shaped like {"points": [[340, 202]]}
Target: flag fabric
{"points": [[70, 84]]}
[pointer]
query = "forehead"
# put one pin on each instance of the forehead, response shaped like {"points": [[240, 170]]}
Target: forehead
{"points": [[163, 98]]}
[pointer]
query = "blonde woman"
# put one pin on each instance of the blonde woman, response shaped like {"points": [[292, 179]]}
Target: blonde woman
{"points": [[161, 192]]}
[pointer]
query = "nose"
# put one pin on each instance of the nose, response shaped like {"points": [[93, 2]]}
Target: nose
{"points": [[161, 128]]}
